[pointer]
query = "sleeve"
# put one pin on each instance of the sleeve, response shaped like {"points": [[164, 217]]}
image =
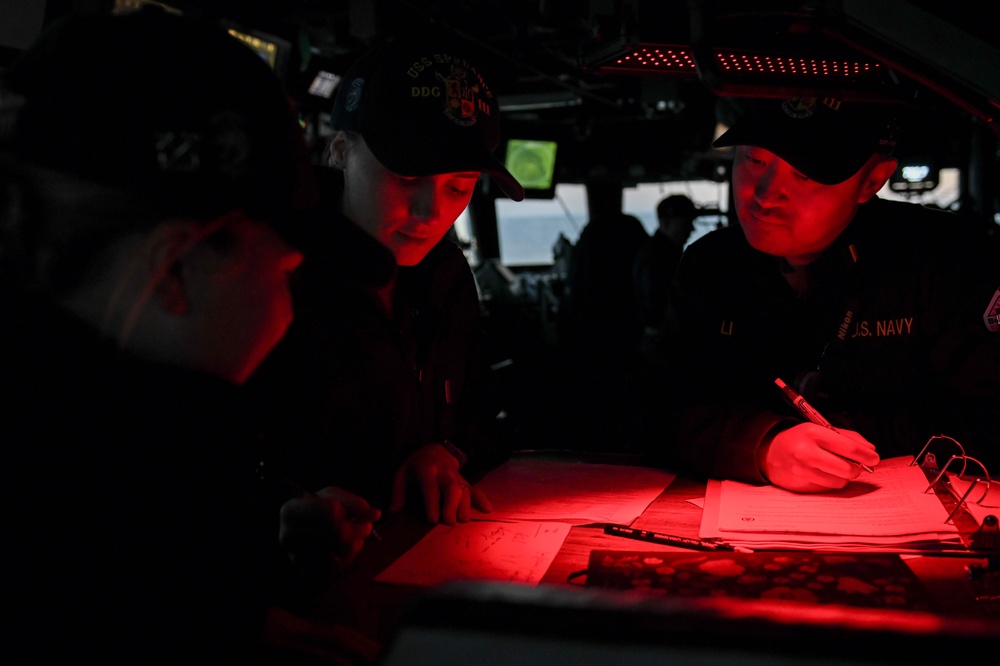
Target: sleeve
{"points": [[467, 405], [712, 428]]}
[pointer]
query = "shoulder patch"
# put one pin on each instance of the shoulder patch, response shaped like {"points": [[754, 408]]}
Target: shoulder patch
{"points": [[992, 315]]}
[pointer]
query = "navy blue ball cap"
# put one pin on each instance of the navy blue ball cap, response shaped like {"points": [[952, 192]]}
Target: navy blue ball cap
{"points": [[169, 108], [424, 108], [826, 139]]}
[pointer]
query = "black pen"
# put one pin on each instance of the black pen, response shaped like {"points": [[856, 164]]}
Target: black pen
{"points": [[810, 413], [671, 540]]}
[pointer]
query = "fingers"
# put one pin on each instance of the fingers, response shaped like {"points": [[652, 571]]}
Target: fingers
{"points": [[329, 526], [452, 495], [465, 503], [431, 492], [480, 502], [358, 509], [857, 448], [447, 498], [811, 458], [445, 494]]}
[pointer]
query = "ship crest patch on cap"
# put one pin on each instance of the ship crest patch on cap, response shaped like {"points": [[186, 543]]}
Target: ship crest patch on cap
{"points": [[461, 96], [799, 107], [354, 95], [805, 107], [456, 84]]}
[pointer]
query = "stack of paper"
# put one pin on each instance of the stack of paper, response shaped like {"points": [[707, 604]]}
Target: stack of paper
{"points": [[887, 510]]}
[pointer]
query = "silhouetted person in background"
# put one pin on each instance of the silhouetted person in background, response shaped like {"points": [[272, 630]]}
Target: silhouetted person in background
{"points": [[658, 258], [600, 325]]}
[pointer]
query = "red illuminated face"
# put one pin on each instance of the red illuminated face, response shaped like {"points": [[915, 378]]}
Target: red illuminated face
{"points": [[409, 215], [784, 213], [244, 303]]}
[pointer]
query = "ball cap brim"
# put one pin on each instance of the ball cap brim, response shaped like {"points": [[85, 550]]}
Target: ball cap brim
{"points": [[826, 139]]}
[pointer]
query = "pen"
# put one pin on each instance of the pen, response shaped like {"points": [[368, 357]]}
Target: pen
{"points": [[810, 413], [670, 540]]}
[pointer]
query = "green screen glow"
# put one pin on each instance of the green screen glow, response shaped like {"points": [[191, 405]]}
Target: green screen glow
{"points": [[532, 162]]}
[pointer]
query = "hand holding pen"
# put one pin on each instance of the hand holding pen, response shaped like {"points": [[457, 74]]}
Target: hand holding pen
{"points": [[323, 531], [814, 456]]}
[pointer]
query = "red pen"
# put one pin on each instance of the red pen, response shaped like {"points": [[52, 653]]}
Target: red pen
{"points": [[815, 417]]}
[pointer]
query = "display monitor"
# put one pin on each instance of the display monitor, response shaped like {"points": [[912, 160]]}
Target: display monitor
{"points": [[533, 163]]}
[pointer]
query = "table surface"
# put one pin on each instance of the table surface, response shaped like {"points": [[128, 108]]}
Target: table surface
{"points": [[374, 609]]}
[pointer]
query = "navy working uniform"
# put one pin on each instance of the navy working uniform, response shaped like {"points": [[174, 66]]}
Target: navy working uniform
{"points": [[887, 338], [137, 526], [352, 391]]}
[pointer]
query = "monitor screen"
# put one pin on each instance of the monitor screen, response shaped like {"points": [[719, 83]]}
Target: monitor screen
{"points": [[533, 163]]}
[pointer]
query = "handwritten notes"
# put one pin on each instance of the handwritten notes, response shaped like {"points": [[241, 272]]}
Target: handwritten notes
{"points": [[482, 550], [535, 502]]}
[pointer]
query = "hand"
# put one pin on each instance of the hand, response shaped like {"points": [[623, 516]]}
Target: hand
{"points": [[810, 458], [448, 497], [323, 532]]}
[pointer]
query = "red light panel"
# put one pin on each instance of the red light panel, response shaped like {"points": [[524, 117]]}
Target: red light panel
{"points": [[769, 65], [653, 59]]}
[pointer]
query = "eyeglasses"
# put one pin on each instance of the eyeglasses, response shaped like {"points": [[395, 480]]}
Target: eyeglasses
{"points": [[959, 461]]}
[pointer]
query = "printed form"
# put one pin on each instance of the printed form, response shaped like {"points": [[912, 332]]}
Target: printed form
{"points": [[885, 510]]}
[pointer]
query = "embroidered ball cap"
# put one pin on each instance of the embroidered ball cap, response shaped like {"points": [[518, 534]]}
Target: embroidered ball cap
{"points": [[175, 111], [423, 109], [826, 139]]}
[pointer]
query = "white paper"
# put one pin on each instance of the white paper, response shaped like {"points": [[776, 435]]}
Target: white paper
{"points": [[571, 492], [480, 550]]}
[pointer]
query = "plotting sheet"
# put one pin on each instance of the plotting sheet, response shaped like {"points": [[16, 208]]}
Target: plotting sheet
{"points": [[571, 492], [479, 550]]}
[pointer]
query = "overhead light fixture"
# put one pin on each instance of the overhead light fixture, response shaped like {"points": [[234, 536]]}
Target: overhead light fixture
{"points": [[646, 59], [785, 66], [741, 51], [749, 71], [768, 73], [541, 100]]}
